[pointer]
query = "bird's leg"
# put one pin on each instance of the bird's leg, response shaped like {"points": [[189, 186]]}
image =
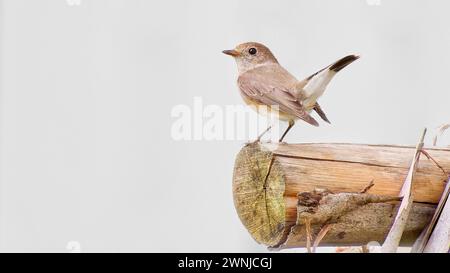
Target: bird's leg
{"points": [[291, 124], [260, 136], [263, 133]]}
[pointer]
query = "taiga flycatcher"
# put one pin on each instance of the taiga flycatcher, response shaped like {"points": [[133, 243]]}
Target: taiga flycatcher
{"points": [[263, 81]]}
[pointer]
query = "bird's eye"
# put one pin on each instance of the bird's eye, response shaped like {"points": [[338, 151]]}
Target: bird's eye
{"points": [[252, 51]]}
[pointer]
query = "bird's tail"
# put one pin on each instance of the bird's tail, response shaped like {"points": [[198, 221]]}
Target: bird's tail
{"points": [[339, 65], [314, 86]]}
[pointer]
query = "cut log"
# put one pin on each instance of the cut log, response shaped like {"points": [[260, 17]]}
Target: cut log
{"points": [[269, 179]]}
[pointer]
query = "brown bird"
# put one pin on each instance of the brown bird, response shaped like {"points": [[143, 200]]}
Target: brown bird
{"points": [[263, 81]]}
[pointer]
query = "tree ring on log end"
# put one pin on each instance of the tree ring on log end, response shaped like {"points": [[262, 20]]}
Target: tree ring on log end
{"points": [[259, 194]]}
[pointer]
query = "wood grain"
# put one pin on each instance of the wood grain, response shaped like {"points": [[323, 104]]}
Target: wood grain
{"points": [[339, 168]]}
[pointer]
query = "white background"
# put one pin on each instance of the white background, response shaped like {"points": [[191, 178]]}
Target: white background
{"points": [[87, 91]]}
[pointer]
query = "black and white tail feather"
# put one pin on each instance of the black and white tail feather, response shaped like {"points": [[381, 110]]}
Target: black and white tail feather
{"points": [[314, 86]]}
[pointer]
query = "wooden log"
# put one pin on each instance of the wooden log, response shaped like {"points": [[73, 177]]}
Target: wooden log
{"points": [[268, 179]]}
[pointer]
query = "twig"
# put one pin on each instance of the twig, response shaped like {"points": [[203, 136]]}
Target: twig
{"points": [[323, 231], [308, 234], [434, 161], [368, 187]]}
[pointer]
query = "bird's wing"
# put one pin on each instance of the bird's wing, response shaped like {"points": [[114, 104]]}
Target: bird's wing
{"points": [[269, 88], [320, 112]]}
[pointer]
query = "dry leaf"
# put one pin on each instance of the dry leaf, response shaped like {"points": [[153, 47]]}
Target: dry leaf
{"points": [[440, 131], [439, 241], [392, 241]]}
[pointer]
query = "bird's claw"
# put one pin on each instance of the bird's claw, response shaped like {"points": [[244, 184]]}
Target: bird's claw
{"points": [[249, 143]]}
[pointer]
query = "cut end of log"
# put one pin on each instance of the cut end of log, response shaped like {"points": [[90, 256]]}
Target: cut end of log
{"points": [[259, 195], [275, 192]]}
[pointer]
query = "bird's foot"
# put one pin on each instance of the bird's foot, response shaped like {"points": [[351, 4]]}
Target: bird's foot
{"points": [[249, 143]]}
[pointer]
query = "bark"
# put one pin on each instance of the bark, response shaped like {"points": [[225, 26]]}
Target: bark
{"points": [[279, 188]]}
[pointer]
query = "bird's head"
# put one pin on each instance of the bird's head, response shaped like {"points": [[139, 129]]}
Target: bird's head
{"points": [[250, 55]]}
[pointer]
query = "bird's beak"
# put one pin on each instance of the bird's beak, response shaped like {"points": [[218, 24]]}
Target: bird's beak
{"points": [[231, 52]]}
